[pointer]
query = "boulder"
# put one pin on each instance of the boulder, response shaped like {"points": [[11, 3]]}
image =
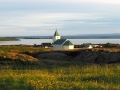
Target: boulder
{"points": [[100, 58], [80, 57], [88, 57], [111, 57], [53, 56]]}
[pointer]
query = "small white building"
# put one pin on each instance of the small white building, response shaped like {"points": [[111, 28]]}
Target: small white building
{"points": [[89, 46], [61, 44]]}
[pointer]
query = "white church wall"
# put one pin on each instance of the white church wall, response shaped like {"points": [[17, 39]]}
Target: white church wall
{"points": [[71, 47], [65, 47], [57, 47]]}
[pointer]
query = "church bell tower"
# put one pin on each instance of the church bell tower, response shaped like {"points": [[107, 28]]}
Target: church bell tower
{"points": [[56, 36]]}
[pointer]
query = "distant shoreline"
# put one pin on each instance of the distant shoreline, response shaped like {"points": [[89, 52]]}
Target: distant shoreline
{"points": [[71, 38], [9, 39], [12, 38]]}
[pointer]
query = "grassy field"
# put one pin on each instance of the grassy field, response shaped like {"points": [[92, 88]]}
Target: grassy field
{"points": [[51, 74], [59, 76]]}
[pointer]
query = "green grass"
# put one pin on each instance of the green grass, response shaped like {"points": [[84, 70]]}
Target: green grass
{"points": [[20, 49], [59, 76]]}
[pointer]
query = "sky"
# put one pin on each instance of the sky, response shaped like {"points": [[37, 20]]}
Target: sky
{"points": [[70, 17]]}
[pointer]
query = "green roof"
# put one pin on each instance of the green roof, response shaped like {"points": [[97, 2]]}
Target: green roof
{"points": [[59, 41], [68, 43], [56, 33], [62, 41]]}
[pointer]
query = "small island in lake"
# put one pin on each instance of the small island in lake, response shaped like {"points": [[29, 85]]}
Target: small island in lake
{"points": [[8, 39]]}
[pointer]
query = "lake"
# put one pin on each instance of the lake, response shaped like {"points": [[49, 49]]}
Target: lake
{"points": [[74, 41]]}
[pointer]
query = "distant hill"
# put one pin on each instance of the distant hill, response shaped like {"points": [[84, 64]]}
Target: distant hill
{"points": [[113, 34], [78, 36]]}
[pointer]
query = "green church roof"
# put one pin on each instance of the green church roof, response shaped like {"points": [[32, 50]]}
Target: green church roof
{"points": [[56, 33], [59, 41], [62, 41], [68, 43]]}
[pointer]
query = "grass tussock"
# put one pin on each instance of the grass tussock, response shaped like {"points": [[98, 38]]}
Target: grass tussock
{"points": [[60, 76]]}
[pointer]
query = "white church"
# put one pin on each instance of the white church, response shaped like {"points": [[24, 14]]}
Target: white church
{"points": [[61, 44]]}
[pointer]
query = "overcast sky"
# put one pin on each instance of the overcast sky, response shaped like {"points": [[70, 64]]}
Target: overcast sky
{"points": [[71, 17]]}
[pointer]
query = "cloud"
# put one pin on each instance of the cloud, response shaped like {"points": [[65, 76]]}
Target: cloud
{"points": [[66, 1], [12, 31], [59, 6], [39, 16], [92, 1], [37, 24]]}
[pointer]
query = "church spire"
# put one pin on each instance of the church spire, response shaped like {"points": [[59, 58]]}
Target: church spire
{"points": [[56, 33]]}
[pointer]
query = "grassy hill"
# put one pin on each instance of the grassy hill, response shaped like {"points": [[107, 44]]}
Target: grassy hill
{"points": [[18, 53]]}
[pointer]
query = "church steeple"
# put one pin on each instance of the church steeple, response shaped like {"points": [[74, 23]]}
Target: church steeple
{"points": [[56, 36], [56, 33]]}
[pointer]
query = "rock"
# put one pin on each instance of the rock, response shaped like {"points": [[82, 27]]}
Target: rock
{"points": [[106, 57], [91, 58], [100, 58], [83, 56], [80, 57], [111, 57], [88, 57], [118, 60], [115, 57], [53, 56]]}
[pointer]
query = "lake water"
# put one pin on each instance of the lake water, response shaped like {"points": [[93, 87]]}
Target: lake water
{"points": [[74, 41]]}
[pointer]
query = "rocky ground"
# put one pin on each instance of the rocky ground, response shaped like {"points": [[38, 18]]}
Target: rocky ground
{"points": [[87, 56]]}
